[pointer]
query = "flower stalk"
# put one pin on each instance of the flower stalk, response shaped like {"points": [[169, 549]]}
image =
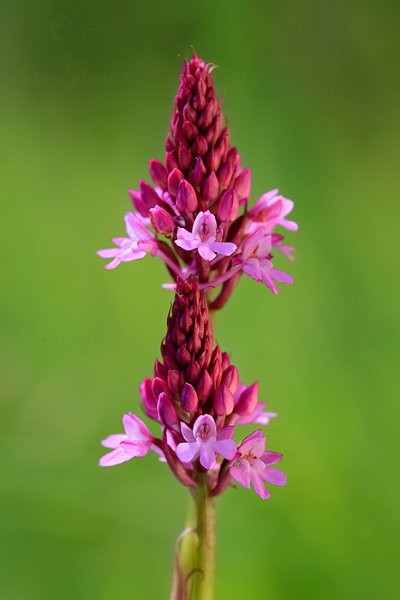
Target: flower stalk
{"points": [[194, 562], [196, 218]]}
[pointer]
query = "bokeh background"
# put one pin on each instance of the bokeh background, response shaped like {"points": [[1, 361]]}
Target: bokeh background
{"points": [[312, 95]]}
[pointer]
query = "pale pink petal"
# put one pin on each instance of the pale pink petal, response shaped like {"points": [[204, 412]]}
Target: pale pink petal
{"points": [[265, 417], [270, 458], [136, 449], [114, 263], [108, 252], [187, 433], [115, 457], [290, 225], [251, 243], [206, 253], [268, 281], [132, 254], [252, 269], [251, 441], [275, 209], [205, 421], [241, 473], [187, 452], [120, 240], [281, 276], [135, 227], [274, 476], [187, 244], [205, 226], [225, 248], [207, 455], [113, 441], [135, 428], [226, 448], [258, 485]]}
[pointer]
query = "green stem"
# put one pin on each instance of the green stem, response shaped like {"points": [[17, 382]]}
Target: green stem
{"points": [[203, 576], [193, 577]]}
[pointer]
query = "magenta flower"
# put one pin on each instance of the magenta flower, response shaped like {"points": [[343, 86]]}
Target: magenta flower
{"points": [[257, 264], [203, 238], [205, 441], [135, 442], [270, 211], [139, 242], [253, 465]]}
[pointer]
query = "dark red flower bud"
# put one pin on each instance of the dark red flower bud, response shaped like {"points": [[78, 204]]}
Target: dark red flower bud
{"points": [[174, 179], [223, 401], [138, 203], [148, 398], [230, 378], [159, 386], [186, 198], [198, 171], [175, 381], [149, 195], [204, 386], [166, 411], [211, 188], [228, 206], [158, 173], [242, 184], [184, 157], [248, 400], [189, 399]]}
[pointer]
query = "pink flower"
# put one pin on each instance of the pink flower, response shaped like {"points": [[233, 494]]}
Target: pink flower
{"points": [[269, 211], [256, 261], [204, 238], [253, 465], [204, 441], [135, 442], [139, 242]]}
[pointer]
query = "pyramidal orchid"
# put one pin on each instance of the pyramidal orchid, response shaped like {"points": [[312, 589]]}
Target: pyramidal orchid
{"points": [[195, 216]]}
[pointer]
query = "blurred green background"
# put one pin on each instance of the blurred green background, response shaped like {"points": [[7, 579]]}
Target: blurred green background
{"points": [[312, 95]]}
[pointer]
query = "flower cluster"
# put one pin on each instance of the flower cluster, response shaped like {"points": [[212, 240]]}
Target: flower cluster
{"points": [[195, 216], [197, 399]]}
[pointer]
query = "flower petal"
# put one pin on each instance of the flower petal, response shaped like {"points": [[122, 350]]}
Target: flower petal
{"points": [[113, 441], [281, 276], [258, 485], [270, 458], [226, 448], [187, 452], [115, 457], [241, 473], [187, 432], [207, 456], [274, 476], [206, 253], [225, 248], [108, 252]]}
